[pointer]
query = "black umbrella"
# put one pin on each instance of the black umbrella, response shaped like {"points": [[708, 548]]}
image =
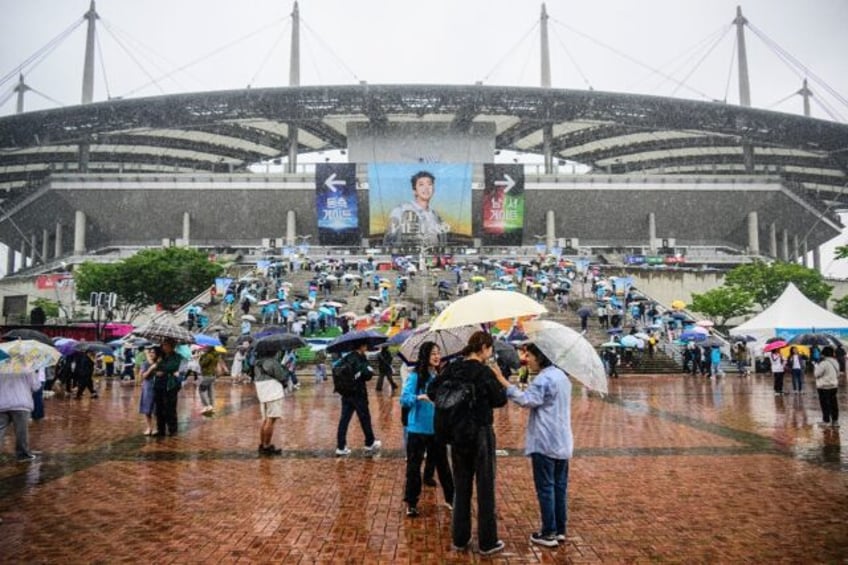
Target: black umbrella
{"points": [[584, 311], [275, 343], [26, 333], [94, 347], [335, 299], [507, 354], [711, 341], [352, 340], [809, 340]]}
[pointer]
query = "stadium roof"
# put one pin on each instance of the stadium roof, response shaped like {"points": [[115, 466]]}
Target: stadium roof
{"points": [[612, 132]]}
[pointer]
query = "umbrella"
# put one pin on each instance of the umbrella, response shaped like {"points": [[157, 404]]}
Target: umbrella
{"points": [[332, 304], [570, 351], [249, 317], [744, 338], [337, 299], [705, 323], [65, 345], [631, 341], [352, 340], [27, 355], [26, 333], [487, 306], [693, 336], [206, 340], [450, 341], [183, 351], [158, 331], [712, 341], [777, 344], [815, 339], [678, 304], [399, 337], [507, 354], [610, 344], [614, 331], [270, 330], [94, 347], [641, 335], [275, 343], [478, 278], [440, 305], [584, 311]]}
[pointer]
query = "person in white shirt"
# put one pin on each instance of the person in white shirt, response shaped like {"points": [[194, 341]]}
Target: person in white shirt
{"points": [[777, 368]]}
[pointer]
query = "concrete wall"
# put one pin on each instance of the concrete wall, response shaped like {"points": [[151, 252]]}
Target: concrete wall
{"points": [[244, 209]]}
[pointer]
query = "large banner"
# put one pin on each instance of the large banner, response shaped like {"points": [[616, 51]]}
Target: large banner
{"points": [[337, 203], [413, 204], [503, 204]]}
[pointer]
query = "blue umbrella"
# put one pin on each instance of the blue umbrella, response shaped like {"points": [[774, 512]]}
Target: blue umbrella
{"points": [[693, 336], [352, 340], [614, 331], [270, 330], [206, 340], [399, 337]]}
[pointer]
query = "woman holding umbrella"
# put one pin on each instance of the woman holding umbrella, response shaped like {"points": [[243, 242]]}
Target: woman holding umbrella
{"points": [[548, 441], [421, 434]]}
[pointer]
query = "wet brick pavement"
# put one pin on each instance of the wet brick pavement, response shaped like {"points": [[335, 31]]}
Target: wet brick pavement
{"points": [[667, 469]]}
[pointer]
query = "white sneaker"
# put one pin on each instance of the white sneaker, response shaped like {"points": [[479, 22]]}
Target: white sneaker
{"points": [[340, 452], [374, 446]]}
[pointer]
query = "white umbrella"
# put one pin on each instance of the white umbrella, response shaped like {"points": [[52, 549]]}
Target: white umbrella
{"points": [[570, 351], [249, 317], [487, 306], [705, 323]]}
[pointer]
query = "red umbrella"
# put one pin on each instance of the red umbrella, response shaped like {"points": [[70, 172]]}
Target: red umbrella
{"points": [[774, 345]]}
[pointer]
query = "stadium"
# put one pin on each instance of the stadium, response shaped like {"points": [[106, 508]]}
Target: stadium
{"points": [[675, 180]]}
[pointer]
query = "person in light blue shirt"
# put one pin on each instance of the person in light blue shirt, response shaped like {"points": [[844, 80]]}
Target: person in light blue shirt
{"points": [[421, 434], [548, 441]]}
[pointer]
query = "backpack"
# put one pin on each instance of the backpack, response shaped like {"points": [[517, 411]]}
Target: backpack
{"points": [[344, 378], [455, 401]]}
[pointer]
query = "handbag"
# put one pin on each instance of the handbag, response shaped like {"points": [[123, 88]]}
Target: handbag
{"points": [[269, 390]]}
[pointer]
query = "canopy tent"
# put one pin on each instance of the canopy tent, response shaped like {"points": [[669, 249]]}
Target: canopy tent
{"points": [[790, 315]]}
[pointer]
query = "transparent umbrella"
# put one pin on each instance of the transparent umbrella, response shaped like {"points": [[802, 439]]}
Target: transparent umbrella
{"points": [[570, 351]]}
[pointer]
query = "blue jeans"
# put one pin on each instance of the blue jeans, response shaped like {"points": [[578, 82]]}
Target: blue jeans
{"points": [[797, 380], [550, 477], [358, 404]]}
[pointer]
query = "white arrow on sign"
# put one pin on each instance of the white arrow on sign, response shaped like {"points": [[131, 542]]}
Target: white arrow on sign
{"points": [[508, 183], [333, 184]]}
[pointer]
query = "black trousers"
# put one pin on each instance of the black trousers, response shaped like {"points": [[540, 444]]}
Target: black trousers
{"points": [[385, 375], [165, 405], [356, 404], [470, 463], [829, 407], [416, 446]]}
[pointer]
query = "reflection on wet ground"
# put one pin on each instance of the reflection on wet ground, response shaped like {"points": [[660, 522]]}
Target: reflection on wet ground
{"points": [[667, 468]]}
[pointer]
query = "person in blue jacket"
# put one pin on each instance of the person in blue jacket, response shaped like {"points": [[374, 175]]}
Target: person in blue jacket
{"points": [[421, 435]]}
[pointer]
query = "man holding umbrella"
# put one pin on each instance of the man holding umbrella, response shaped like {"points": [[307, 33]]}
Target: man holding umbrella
{"points": [[354, 400]]}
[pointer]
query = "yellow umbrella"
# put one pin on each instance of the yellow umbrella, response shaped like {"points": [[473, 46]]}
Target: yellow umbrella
{"points": [[678, 304], [801, 349], [478, 278]]}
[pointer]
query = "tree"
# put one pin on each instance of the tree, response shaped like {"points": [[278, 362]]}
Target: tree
{"points": [[170, 277], [722, 303], [766, 282], [840, 307]]}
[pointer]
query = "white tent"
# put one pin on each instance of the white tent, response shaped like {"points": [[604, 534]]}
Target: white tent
{"points": [[790, 315]]}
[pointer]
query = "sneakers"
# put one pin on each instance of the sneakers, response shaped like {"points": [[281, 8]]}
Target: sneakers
{"points": [[547, 540], [462, 547], [270, 450], [411, 512], [491, 551], [560, 538], [374, 446], [27, 457], [343, 451], [449, 506]]}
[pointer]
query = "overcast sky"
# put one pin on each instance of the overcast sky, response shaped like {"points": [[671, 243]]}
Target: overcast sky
{"points": [[154, 47]]}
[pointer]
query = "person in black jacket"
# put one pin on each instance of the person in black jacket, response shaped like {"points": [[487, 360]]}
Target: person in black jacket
{"points": [[358, 403], [384, 363], [476, 460]]}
